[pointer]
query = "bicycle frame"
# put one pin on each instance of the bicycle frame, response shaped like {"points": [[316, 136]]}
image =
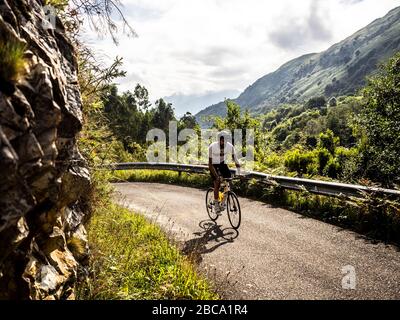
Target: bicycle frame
{"points": [[225, 194], [226, 188]]}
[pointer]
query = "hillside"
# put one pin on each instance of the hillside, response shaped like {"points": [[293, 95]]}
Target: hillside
{"points": [[340, 70]]}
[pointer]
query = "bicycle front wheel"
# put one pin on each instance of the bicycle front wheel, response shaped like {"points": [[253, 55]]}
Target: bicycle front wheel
{"points": [[234, 213], [210, 206]]}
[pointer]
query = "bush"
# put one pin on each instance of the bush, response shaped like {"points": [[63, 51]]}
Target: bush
{"points": [[323, 156], [333, 168], [291, 140], [280, 133], [349, 160], [333, 102], [273, 161], [342, 154], [312, 168], [328, 141], [311, 141], [298, 161], [316, 102]]}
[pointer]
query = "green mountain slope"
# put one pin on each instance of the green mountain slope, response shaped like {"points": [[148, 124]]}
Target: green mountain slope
{"points": [[340, 70]]}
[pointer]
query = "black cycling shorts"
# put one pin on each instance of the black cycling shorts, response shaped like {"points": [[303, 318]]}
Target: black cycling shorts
{"points": [[223, 170]]}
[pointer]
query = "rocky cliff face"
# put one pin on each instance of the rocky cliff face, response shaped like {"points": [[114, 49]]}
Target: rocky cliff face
{"points": [[42, 174]]}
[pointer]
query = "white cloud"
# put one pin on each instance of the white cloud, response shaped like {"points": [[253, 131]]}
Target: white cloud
{"points": [[194, 47]]}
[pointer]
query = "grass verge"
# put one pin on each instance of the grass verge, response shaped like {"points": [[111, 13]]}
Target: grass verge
{"points": [[134, 259]]}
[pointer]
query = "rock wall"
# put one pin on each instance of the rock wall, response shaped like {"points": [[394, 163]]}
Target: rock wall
{"points": [[42, 174]]}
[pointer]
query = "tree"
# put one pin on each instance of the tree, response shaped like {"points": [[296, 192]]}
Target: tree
{"points": [[94, 78], [380, 118], [339, 120], [316, 102], [324, 156], [101, 16], [142, 97], [328, 141], [163, 114], [233, 119], [188, 121], [128, 114], [332, 102]]}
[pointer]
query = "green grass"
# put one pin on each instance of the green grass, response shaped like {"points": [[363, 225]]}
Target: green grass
{"points": [[12, 62], [160, 176], [374, 217], [133, 259]]}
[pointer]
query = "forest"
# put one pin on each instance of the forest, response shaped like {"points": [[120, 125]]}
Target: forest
{"points": [[347, 138]]}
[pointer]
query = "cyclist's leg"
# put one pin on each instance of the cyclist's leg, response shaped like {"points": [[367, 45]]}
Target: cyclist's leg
{"points": [[216, 182], [226, 174], [217, 185], [216, 189], [225, 171]]}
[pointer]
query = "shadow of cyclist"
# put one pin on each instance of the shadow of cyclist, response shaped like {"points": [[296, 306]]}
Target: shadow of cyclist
{"points": [[210, 232]]}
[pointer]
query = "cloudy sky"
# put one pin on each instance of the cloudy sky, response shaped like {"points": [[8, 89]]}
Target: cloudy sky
{"points": [[200, 51]]}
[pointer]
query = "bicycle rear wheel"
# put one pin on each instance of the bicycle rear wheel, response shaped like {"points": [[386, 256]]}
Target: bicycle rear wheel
{"points": [[234, 212], [209, 205]]}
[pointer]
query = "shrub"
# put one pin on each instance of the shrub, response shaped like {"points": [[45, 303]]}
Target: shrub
{"points": [[311, 141], [273, 161], [281, 132], [333, 102], [342, 154], [298, 161], [312, 168], [333, 168], [291, 140], [328, 141], [316, 102], [323, 156]]}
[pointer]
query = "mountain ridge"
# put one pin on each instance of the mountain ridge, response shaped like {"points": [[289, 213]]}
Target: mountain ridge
{"points": [[339, 70]]}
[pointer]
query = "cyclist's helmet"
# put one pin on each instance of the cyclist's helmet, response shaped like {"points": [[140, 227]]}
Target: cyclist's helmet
{"points": [[223, 134]]}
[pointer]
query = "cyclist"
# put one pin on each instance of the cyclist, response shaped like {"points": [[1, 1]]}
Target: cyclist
{"points": [[218, 153]]}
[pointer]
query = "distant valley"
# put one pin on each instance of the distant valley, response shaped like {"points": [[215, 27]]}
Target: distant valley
{"points": [[193, 103]]}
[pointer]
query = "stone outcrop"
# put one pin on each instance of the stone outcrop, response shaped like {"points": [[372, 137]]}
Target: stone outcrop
{"points": [[42, 174]]}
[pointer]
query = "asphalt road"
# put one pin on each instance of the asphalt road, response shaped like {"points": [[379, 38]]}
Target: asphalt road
{"points": [[276, 254]]}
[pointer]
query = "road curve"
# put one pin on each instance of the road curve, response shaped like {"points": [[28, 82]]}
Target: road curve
{"points": [[277, 254]]}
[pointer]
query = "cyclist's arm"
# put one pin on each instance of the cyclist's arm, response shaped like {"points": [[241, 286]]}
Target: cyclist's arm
{"points": [[211, 167], [235, 158], [210, 163]]}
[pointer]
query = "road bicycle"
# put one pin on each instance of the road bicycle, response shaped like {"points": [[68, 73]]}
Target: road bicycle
{"points": [[228, 201]]}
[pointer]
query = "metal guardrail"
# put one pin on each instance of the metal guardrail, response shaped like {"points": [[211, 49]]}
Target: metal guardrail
{"points": [[313, 186]]}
